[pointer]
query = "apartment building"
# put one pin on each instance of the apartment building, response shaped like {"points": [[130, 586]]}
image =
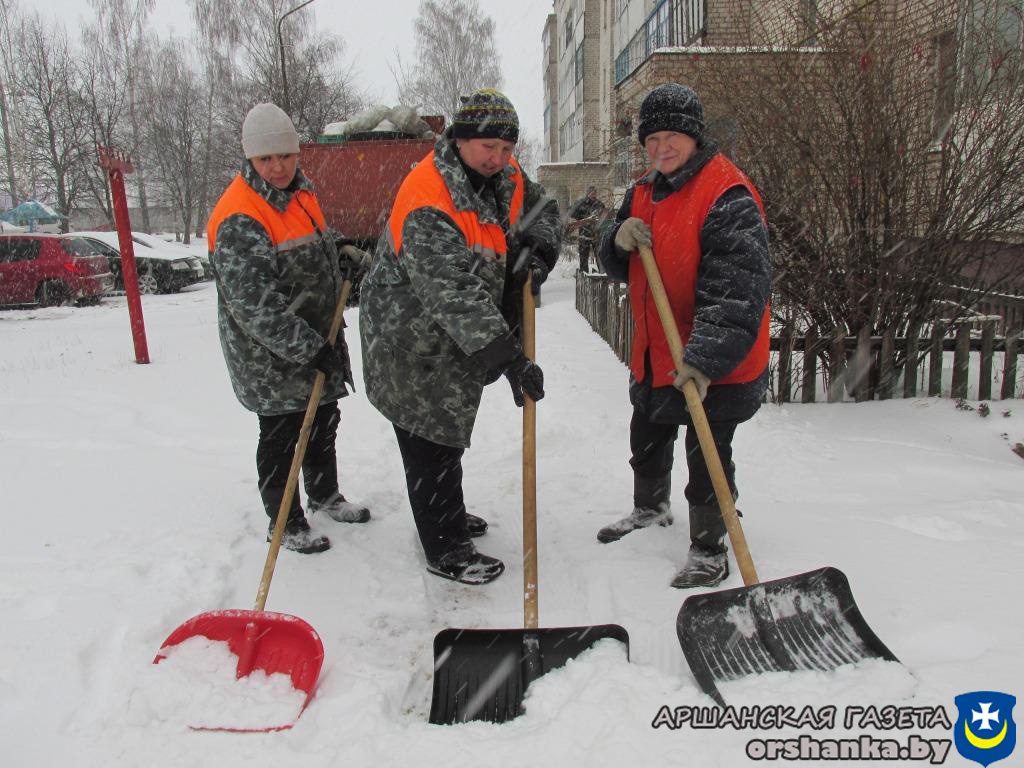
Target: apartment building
{"points": [[603, 56]]}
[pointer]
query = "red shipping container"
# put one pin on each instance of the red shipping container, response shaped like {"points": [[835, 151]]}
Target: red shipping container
{"points": [[356, 181]]}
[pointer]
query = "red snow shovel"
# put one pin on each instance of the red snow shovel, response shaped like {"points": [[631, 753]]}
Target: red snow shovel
{"points": [[271, 642], [804, 622], [482, 674]]}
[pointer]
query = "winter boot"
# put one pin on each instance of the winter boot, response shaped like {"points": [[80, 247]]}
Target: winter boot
{"points": [[707, 563], [339, 509], [464, 564], [477, 525], [650, 507], [297, 535], [705, 567]]}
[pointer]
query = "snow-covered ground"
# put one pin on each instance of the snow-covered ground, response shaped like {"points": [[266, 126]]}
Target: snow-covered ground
{"points": [[130, 504]]}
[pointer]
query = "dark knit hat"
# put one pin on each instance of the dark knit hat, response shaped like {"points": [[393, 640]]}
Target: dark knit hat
{"points": [[671, 107], [486, 114]]}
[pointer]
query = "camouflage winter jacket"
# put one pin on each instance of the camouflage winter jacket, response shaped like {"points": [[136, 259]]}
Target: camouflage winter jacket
{"points": [[427, 308], [275, 302]]}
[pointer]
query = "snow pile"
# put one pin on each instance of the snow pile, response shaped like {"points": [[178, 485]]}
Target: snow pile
{"points": [[400, 118], [131, 502], [195, 686]]}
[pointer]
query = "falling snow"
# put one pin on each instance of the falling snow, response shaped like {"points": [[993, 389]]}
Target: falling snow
{"points": [[131, 505]]}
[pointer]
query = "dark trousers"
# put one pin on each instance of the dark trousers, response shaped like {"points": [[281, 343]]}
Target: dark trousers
{"points": [[586, 248], [278, 436], [653, 446], [433, 475]]}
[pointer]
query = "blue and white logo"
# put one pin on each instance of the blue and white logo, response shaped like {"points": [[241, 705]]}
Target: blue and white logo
{"points": [[985, 731]]}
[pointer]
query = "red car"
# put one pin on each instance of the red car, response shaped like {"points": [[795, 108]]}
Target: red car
{"points": [[51, 269]]}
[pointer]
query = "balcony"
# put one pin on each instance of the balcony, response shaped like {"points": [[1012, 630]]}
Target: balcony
{"points": [[671, 23]]}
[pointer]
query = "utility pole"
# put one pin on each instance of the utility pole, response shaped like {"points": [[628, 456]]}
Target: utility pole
{"points": [[280, 47], [117, 165]]}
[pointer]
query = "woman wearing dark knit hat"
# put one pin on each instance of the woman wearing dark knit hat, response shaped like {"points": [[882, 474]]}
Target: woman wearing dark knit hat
{"points": [[704, 220], [278, 279], [439, 318]]}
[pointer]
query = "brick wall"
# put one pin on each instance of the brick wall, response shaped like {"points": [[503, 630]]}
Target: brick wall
{"points": [[568, 181]]}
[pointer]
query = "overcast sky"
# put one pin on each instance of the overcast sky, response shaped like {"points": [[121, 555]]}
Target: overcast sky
{"points": [[374, 31]]}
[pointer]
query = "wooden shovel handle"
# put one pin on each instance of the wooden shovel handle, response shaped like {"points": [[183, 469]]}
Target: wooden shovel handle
{"points": [[700, 422], [299, 455], [530, 613]]}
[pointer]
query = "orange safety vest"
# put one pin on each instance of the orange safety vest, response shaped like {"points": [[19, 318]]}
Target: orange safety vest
{"points": [[676, 223], [425, 186], [287, 230]]}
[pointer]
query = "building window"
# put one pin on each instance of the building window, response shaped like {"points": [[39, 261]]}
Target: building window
{"points": [[993, 41], [809, 20], [945, 85], [567, 27], [623, 162], [578, 64]]}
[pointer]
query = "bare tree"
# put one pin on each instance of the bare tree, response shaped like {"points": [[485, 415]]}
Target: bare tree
{"points": [[890, 156], [321, 85], [455, 55], [105, 103], [8, 9], [175, 129], [46, 87], [528, 152], [124, 21], [219, 36]]}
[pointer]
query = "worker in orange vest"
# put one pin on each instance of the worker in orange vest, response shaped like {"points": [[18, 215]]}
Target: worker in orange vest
{"points": [[439, 314], [704, 220], [278, 276]]}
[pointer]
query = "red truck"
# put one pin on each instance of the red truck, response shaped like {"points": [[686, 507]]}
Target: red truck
{"points": [[356, 180]]}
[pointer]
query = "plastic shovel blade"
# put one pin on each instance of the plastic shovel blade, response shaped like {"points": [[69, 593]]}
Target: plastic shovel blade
{"points": [[804, 622], [483, 674], [271, 642]]}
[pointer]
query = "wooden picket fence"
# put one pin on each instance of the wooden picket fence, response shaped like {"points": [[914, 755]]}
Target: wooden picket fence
{"points": [[863, 367]]}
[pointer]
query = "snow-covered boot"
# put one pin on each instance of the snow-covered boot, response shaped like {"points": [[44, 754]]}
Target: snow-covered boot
{"points": [[707, 563], [705, 567], [640, 517], [338, 508], [297, 535], [650, 507], [466, 565], [477, 525]]}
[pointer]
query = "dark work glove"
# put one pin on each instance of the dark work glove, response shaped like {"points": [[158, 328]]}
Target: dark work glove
{"points": [[353, 262], [330, 359], [524, 375], [533, 265]]}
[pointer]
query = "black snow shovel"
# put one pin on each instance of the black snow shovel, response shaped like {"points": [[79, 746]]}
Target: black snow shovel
{"points": [[804, 622], [483, 674]]}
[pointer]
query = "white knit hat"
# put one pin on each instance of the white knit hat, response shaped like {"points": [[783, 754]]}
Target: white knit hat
{"points": [[267, 130]]}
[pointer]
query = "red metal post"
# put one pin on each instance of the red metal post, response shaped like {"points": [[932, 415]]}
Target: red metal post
{"points": [[117, 165]]}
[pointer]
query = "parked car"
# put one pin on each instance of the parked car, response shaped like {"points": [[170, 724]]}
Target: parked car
{"points": [[158, 271], [169, 242], [51, 269]]}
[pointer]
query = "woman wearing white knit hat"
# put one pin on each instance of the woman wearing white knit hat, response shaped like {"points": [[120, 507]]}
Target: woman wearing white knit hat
{"points": [[278, 279]]}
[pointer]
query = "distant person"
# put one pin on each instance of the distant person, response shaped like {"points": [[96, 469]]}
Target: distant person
{"points": [[440, 313], [586, 213], [278, 277], [704, 220]]}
